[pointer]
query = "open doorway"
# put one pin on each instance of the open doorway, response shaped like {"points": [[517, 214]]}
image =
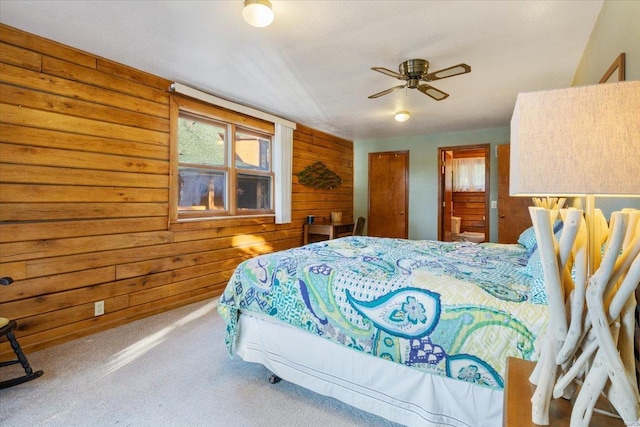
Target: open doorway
{"points": [[463, 193]]}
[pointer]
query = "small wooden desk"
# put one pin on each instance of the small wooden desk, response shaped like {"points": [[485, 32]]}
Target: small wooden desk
{"points": [[330, 229], [517, 401]]}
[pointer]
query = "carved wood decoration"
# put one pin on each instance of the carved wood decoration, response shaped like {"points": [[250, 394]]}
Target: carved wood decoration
{"points": [[318, 175], [588, 348], [617, 73]]}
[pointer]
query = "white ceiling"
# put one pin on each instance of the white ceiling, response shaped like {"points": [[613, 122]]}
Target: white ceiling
{"points": [[312, 65]]}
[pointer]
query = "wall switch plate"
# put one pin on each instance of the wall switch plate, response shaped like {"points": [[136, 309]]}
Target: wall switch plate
{"points": [[99, 308], [494, 204]]}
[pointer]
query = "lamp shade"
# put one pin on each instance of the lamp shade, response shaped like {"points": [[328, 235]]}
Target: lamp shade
{"points": [[577, 141], [258, 12]]}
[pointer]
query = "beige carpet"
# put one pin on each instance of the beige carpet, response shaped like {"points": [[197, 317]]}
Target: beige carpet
{"points": [[167, 370]]}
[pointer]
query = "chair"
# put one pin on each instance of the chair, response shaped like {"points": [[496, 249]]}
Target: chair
{"points": [[358, 227], [6, 329]]}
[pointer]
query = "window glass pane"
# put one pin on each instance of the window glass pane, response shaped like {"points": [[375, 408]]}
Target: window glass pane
{"points": [[253, 152], [201, 189], [200, 142], [468, 174], [253, 192]]}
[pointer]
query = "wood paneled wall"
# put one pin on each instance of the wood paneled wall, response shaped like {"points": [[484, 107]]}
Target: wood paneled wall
{"points": [[84, 197], [311, 146], [470, 206]]}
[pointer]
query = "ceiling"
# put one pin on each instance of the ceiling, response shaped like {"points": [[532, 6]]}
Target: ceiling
{"points": [[312, 65]]}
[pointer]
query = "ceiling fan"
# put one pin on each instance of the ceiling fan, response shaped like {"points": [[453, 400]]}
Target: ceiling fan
{"points": [[415, 71]]}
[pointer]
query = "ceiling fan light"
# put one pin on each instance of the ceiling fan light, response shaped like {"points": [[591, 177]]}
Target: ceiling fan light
{"points": [[402, 116], [257, 12]]}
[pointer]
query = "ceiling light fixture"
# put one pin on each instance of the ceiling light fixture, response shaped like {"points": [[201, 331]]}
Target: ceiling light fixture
{"points": [[402, 116], [258, 12]]}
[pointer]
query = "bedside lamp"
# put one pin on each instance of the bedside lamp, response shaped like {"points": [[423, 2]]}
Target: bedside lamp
{"points": [[583, 142]]}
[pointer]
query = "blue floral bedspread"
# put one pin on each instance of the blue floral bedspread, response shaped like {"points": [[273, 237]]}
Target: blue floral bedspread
{"points": [[456, 309]]}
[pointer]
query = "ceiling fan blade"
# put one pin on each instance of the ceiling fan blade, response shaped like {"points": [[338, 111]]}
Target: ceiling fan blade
{"points": [[388, 72], [447, 72], [431, 91], [384, 92]]}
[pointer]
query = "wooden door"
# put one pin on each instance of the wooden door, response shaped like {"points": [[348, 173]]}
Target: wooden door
{"points": [[446, 169], [513, 212], [388, 194]]}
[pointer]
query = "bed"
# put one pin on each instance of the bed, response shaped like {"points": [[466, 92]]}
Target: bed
{"points": [[417, 332]]}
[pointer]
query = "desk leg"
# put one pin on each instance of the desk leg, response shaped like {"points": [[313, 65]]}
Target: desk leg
{"points": [[306, 234]]}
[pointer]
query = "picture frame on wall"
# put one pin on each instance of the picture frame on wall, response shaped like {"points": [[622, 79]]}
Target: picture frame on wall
{"points": [[616, 72]]}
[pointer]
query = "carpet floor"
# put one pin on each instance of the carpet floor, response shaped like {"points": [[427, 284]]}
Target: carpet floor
{"points": [[170, 369]]}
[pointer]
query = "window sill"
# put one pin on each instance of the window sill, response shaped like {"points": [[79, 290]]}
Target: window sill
{"points": [[221, 221]]}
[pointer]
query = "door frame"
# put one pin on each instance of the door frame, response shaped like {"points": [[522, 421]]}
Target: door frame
{"points": [[487, 185]]}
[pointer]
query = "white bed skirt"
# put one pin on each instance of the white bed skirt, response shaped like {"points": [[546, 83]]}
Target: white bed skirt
{"points": [[390, 390]]}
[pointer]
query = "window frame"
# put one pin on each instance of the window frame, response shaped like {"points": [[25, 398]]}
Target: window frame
{"points": [[234, 122], [236, 171]]}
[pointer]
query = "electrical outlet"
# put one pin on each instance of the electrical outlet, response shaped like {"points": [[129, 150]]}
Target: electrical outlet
{"points": [[99, 308], [494, 204]]}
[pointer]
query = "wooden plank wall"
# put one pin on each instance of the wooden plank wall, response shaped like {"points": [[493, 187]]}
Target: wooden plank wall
{"points": [[470, 206], [337, 155], [84, 197]]}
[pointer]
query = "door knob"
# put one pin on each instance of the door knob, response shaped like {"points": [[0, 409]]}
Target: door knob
{"points": [[401, 212]]}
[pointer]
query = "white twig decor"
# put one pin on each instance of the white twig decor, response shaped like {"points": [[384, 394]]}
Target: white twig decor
{"points": [[588, 349]]}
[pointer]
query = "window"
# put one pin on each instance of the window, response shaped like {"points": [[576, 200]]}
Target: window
{"points": [[468, 174], [223, 168], [253, 165]]}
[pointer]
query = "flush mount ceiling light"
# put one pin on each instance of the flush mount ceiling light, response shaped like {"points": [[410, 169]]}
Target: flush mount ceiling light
{"points": [[402, 116], [258, 12]]}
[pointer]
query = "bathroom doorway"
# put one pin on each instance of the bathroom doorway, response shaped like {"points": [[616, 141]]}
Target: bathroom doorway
{"points": [[463, 195]]}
